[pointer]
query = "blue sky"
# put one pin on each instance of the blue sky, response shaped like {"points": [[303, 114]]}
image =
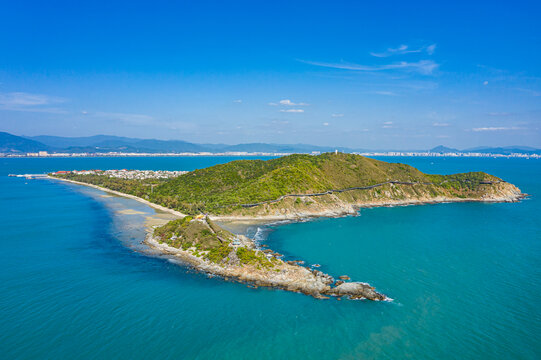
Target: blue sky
{"points": [[403, 75]]}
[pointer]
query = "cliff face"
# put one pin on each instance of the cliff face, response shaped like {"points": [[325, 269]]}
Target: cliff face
{"points": [[349, 202]]}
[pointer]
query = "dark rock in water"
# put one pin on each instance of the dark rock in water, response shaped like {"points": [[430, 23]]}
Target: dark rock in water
{"points": [[319, 296], [295, 262], [357, 290], [316, 272], [338, 282], [344, 277], [264, 245], [316, 265]]}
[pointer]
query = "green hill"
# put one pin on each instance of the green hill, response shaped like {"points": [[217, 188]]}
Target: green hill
{"points": [[230, 188], [250, 181]]}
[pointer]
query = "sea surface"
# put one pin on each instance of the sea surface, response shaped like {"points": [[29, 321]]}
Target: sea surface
{"points": [[75, 282]]}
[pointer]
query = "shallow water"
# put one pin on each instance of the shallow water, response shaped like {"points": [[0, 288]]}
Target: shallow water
{"points": [[76, 282]]}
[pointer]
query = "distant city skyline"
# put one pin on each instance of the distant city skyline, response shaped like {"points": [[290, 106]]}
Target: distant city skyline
{"points": [[392, 76]]}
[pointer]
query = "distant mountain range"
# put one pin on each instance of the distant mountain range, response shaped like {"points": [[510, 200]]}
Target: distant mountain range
{"points": [[105, 143], [13, 144], [489, 150]]}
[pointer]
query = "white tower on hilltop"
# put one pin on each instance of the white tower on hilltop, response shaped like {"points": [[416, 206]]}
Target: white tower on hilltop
{"points": [[336, 152]]}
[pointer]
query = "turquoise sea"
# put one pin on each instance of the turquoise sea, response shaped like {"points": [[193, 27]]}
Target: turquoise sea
{"points": [[76, 284]]}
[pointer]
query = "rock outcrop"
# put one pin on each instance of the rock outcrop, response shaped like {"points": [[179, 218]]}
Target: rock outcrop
{"points": [[283, 275], [357, 290]]}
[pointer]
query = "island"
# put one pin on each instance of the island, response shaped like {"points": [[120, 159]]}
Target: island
{"points": [[291, 187]]}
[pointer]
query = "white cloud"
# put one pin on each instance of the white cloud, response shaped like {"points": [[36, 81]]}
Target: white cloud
{"points": [[485, 83], [337, 115], [405, 49], [388, 123], [497, 128], [21, 101], [292, 110], [237, 101], [390, 51], [287, 102], [430, 49], [440, 124], [425, 67], [325, 124]]}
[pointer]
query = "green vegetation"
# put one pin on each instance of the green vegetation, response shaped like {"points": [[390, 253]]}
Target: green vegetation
{"points": [[140, 188], [209, 240], [250, 257], [464, 181], [186, 233], [219, 253], [222, 189]]}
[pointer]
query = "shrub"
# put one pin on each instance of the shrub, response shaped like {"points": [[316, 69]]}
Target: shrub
{"points": [[218, 254]]}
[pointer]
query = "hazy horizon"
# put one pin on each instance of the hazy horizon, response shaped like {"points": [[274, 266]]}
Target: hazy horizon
{"points": [[355, 75], [278, 143]]}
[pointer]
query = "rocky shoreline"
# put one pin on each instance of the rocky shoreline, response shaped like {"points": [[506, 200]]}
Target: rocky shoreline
{"points": [[506, 192], [292, 276], [286, 276]]}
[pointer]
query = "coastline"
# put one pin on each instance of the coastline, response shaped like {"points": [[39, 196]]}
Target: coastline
{"points": [[344, 210], [118, 193], [352, 209], [289, 276], [285, 276]]}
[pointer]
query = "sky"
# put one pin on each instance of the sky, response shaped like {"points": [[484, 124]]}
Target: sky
{"points": [[396, 75]]}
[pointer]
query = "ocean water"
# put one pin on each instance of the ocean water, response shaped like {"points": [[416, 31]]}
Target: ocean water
{"points": [[76, 283]]}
